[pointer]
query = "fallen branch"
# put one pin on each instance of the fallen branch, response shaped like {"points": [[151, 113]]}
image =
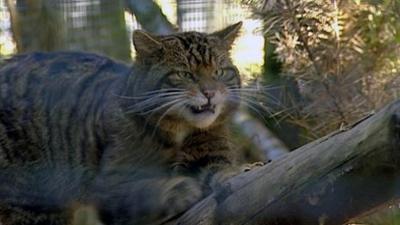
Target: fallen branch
{"points": [[263, 139], [328, 181]]}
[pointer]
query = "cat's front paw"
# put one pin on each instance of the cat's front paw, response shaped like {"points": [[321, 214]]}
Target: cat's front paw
{"points": [[181, 193], [221, 177]]}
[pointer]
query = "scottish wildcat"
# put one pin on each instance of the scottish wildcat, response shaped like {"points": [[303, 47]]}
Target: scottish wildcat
{"points": [[141, 144]]}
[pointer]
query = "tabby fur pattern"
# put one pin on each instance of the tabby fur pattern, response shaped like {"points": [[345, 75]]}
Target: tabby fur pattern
{"points": [[139, 144]]}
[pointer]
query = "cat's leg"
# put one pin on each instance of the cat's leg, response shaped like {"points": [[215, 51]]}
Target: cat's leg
{"points": [[213, 174], [214, 164], [18, 215], [128, 199], [75, 214], [38, 195]]}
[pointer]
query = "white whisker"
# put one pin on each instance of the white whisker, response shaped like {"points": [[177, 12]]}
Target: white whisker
{"points": [[145, 96], [153, 101], [257, 94], [265, 97], [259, 104], [254, 109], [166, 113], [161, 107]]}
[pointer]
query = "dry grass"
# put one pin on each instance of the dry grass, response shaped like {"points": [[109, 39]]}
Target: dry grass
{"points": [[344, 55]]}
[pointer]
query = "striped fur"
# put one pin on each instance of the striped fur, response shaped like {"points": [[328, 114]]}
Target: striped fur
{"points": [[148, 133]]}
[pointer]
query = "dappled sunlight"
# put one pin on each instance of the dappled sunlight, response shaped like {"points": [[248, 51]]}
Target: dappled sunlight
{"points": [[169, 9], [7, 45], [248, 53]]}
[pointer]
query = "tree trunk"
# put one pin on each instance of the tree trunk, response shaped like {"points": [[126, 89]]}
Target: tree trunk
{"points": [[100, 27], [36, 25], [115, 42], [328, 181], [150, 16], [51, 25]]}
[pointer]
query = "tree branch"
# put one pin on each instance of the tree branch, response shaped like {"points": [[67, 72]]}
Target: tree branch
{"points": [[328, 181], [150, 16], [263, 139]]}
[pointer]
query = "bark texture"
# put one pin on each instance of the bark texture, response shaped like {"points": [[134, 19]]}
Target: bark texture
{"points": [[328, 181]]}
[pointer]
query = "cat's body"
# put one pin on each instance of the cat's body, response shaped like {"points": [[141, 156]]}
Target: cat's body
{"points": [[50, 110], [140, 140]]}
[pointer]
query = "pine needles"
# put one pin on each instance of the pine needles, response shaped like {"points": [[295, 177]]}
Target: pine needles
{"points": [[344, 55]]}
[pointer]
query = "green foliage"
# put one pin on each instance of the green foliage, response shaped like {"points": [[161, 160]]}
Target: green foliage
{"points": [[344, 56]]}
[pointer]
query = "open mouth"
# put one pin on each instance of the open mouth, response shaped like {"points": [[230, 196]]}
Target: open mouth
{"points": [[202, 109]]}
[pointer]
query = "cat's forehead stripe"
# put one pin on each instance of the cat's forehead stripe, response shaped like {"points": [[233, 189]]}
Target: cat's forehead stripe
{"points": [[197, 48]]}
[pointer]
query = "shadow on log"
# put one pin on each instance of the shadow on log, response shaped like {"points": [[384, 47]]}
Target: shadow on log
{"points": [[328, 181]]}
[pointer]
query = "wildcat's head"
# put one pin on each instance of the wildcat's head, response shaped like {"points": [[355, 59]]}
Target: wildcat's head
{"points": [[190, 76]]}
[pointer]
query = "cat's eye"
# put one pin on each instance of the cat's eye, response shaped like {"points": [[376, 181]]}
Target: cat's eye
{"points": [[177, 77], [220, 73], [226, 75], [185, 75]]}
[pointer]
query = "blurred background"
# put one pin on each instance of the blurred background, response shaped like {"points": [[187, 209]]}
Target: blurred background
{"points": [[316, 66]]}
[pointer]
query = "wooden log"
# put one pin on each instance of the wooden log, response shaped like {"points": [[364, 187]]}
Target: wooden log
{"points": [[328, 181]]}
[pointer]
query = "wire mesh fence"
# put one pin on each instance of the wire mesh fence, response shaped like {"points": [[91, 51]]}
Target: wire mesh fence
{"points": [[105, 27]]}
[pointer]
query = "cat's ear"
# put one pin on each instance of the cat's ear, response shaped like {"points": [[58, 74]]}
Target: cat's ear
{"points": [[229, 34], [145, 43]]}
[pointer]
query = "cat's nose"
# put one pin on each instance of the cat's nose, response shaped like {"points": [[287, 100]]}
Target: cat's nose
{"points": [[208, 93]]}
